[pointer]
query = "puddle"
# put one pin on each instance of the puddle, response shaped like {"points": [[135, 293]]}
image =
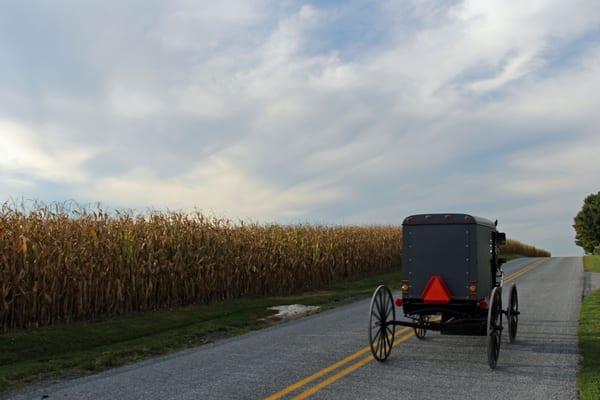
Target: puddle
{"points": [[293, 310]]}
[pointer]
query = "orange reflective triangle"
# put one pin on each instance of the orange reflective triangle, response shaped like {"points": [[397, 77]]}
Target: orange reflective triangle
{"points": [[436, 291]]}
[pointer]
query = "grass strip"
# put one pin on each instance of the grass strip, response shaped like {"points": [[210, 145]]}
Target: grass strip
{"points": [[589, 345], [591, 263], [85, 347]]}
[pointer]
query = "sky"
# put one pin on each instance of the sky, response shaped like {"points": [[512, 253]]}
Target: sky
{"points": [[335, 112]]}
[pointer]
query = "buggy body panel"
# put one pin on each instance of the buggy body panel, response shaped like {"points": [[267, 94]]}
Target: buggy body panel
{"points": [[458, 247]]}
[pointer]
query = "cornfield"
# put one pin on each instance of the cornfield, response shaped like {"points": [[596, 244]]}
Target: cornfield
{"points": [[60, 265], [515, 247]]}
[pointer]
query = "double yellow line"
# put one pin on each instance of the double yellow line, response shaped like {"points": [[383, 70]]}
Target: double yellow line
{"points": [[333, 367], [399, 338], [525, 270]]}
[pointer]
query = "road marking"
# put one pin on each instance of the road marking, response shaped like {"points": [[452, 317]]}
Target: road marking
{"points": [[353, 367], [344, 372], [523, 271], [325, 371]]}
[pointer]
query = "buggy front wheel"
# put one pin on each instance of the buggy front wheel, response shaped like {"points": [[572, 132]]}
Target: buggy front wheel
{"points": [[381, 331]]}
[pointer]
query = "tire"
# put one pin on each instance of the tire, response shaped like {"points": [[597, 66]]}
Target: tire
{"points": [[494, 327], [512, 314], [381, 333], [420, 332]]}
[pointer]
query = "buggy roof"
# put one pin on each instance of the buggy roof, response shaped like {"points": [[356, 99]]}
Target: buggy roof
{"points": [[445, 219]]}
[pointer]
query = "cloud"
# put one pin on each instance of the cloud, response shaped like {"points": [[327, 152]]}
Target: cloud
{"points": [[216, 186], [22, 159], [307, 111]]}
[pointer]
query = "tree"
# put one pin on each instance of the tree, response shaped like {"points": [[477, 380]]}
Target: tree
{"points": [[587, 224]]}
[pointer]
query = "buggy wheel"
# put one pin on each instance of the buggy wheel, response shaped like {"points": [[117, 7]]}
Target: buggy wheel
{"points": [[420, 331], [494, 327], [381, 332], [512, 313]]}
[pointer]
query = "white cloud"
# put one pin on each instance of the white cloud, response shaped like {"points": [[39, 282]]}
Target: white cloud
{"points": [[271, 110], [516, 67], [131, 102], [287, 38], [21, 155], [194, 26], [217, 186]]}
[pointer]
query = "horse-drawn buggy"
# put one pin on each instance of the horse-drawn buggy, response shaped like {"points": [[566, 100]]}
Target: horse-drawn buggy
{"points": [[451, 282]]}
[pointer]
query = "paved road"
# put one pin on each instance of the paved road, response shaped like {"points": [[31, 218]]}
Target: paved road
{"points": [[542, 365]]}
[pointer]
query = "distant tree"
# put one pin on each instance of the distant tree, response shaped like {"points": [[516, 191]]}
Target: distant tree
{"points": [[587, 224]]}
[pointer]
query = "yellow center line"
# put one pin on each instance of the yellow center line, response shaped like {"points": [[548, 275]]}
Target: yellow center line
{"points": [[523, 271], [353, 367], [325, 371], [309, 392]]}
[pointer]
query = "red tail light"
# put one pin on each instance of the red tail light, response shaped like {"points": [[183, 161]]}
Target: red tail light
{"points": [[405, 287], [399, 302], [472, 289], [483, 305]]}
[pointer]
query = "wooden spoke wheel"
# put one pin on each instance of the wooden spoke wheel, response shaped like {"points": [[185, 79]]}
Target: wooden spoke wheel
{"points": [[381, 331], [494, 327], [420, 331], [512, 313]]}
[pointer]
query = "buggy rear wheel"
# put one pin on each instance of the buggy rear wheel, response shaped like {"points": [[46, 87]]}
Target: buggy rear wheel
{"points": [[381, 332], [420, 331], [512, 313], [494, 327]]}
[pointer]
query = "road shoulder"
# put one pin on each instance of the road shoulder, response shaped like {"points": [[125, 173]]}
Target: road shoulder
{"points": [[589, 345]]}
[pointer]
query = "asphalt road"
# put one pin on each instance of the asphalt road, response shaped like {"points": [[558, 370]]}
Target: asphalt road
{"points": [[324, 357]]}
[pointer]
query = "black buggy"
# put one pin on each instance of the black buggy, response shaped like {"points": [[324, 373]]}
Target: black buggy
{"points": [[451, 282]]}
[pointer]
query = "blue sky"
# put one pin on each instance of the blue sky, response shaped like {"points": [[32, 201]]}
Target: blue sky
{"points": [[325, 111]]}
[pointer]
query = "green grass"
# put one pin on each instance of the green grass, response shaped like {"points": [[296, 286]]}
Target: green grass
{"points": [[86, 347], [591, 263], [589, 345]]}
